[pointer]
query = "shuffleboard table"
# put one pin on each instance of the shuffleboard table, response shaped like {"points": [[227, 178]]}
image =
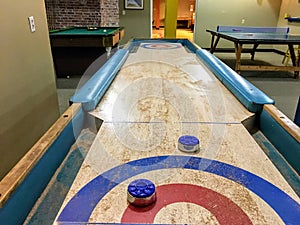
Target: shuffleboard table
{"points": [[126, 125]]}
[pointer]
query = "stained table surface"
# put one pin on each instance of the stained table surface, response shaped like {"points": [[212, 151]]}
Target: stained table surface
{"points": [[161, 93]]}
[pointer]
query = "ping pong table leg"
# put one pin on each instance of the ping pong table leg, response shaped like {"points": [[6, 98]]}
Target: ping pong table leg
{"points": [[294, 61], [238, 52], [214, 43], [296, 74], [253, 51], [292, 54]]}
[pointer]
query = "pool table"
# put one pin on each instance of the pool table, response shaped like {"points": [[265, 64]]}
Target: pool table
{"points": [[75, 48]]}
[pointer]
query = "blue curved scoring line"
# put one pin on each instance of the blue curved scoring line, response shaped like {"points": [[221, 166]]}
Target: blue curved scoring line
{"points": [[81, 206]]}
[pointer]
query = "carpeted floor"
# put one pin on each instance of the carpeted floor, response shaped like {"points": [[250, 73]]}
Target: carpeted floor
{"points": [[279, 85]]}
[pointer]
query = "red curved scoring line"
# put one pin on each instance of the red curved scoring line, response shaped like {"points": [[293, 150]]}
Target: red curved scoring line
{"points": [[225, 210], [154, 46]]}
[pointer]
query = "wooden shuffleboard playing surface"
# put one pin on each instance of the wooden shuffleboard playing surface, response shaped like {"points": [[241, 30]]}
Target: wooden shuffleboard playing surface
{"points": [[161, 93]]}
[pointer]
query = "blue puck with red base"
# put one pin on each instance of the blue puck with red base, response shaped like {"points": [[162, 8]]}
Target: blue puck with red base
{"points": [[188, 143], [141, 192]]}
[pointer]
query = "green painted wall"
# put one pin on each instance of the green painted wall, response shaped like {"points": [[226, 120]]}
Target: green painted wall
{"points": [[137, 23], [28, 99], [171, 18], [291, 8], [210, 14]]}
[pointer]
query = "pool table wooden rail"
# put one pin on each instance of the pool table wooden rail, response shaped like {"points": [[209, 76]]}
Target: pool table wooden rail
{"points": [[69, 40]]}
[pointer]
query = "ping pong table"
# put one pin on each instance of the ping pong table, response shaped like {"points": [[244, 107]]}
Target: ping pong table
{"points": [[241, 36]]}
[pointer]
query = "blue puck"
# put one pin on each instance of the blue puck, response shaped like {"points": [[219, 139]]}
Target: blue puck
{"points": [[141, 192], [188, 143]]}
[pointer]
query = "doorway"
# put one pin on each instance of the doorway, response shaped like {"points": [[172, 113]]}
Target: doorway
{"points": [[185, 19]]}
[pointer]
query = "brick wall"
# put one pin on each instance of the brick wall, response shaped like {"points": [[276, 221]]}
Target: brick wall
{"points": [[109, 13], [66, 13]]}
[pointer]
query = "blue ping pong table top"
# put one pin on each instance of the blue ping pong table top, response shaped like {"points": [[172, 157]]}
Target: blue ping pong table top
{"points": [[243, 29], [261, 36]]}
